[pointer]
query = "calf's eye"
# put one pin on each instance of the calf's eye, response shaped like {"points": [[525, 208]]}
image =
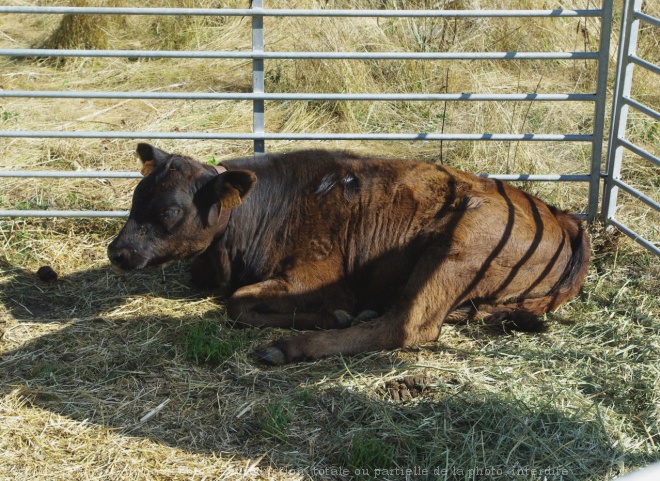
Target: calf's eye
{"points": [[169, 213]]}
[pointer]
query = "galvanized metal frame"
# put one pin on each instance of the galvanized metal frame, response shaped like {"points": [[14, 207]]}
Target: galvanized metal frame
{"points": [[258, 87], [243, 12], [210, 54], [622, 102], [258, 96]]}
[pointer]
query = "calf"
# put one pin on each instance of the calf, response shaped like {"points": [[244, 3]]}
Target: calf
{"points": [[373, 253]]}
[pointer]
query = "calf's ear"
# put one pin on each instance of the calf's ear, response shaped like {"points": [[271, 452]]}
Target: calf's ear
{"points": [[229, 188], [150, 157]]}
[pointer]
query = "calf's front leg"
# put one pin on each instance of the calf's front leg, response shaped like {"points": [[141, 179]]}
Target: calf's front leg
{"points": [[278, 303]]}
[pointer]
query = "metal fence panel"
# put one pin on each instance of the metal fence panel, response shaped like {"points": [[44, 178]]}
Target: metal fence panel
{"points": [[259, 134], [632, 17]]}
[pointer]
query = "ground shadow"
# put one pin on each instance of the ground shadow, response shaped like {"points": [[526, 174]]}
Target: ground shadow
{"points": [[112, 370], [110, 373]]}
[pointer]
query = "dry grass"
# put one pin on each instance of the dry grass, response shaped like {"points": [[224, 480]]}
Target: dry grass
{"points": [[85, 358]]}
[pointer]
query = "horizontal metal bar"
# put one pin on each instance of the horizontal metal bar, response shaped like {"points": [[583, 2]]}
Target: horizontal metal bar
{"points": [[54, 174], [648, 18], [635, 236], [291, 136], [643, 63], [63, 213], [65, 174], [642, 108], [90, 213], [207, 54], [227, 12], [639, 151], [637, 194], [540, 177], [291, 96]]}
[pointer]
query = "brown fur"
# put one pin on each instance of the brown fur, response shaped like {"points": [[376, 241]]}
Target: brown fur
{"points": [[321, 234]]}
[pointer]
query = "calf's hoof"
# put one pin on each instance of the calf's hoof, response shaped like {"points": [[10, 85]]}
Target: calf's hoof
{"points": [[343, 318], [271, 355], [365, 316]]}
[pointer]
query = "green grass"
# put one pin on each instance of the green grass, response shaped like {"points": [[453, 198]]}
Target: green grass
{"points": [[367, 455], [9, 116], [274, 421], [207, 342]]}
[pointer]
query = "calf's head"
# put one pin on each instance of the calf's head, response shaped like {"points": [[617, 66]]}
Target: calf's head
{"points": [[178, 209]]}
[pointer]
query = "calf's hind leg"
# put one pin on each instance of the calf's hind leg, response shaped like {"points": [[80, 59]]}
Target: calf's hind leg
{"points": [[436, 286]]}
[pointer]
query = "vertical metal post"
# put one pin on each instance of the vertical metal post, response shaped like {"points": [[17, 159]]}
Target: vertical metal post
{"points": [[599, 108], [624, 76], [258, 120]]}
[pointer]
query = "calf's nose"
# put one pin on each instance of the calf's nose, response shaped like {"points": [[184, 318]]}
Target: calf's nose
{"points": [[115, 255], [118, 254]]}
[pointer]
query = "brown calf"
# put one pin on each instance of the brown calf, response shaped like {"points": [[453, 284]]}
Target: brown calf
{"points": [[323, 240]]}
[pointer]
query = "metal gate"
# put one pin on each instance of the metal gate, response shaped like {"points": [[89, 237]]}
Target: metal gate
{"points": [[623, 101], [258, 55]]}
